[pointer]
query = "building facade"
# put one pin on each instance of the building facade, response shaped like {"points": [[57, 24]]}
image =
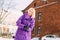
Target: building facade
{"points": [[47, 19]]}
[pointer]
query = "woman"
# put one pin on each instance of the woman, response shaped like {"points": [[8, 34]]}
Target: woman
{"points": [[25, 25]]}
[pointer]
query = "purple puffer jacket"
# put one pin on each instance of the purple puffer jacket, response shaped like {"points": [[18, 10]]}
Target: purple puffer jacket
{"points": [[24, 20]]}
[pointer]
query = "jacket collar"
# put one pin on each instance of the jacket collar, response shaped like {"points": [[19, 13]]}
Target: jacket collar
{"points": [[26, 15]]}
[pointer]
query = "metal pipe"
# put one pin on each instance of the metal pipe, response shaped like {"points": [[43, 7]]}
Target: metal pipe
{"points": [[45, 5]]}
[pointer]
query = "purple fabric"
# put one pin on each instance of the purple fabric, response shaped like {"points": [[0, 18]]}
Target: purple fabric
{"points": [[24, 20]]}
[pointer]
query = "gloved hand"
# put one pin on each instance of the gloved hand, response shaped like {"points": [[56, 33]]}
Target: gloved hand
{"points": [[26, 28]]}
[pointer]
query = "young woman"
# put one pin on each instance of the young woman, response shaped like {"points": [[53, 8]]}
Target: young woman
{"points": [[25, 25]]}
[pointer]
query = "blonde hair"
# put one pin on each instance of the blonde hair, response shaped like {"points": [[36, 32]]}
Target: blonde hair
{"points": [[32, 9]]}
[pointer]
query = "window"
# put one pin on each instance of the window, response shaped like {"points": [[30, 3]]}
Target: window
{"points": [[38, 29], [39, 16]]}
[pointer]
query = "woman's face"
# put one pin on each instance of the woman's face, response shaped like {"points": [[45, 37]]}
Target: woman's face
{"points": [[31, 12]]}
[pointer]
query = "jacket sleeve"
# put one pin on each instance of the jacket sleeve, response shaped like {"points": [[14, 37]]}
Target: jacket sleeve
{"points": [[32, 25], [19, 22]]}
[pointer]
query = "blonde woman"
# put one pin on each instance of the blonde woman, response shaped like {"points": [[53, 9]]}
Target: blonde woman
{"points": [[25, 25]]}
